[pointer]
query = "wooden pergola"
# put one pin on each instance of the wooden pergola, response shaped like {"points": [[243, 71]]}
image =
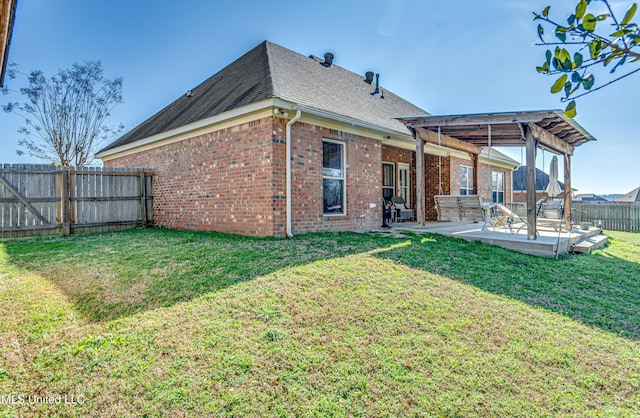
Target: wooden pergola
{"points": [[547, 129]]}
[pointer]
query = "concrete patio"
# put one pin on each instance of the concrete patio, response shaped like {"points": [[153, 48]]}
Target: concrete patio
{"points": [[549, 243]]}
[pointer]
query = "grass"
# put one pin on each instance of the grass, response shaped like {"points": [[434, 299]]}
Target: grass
{"points": [[174, 323]]}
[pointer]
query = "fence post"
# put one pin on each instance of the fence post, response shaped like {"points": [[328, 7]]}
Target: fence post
{"points": [[66, 203], [143, 200]]}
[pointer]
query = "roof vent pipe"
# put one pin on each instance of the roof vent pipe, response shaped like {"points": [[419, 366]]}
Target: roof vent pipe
{"points": [[328, 59], [369, 77]]}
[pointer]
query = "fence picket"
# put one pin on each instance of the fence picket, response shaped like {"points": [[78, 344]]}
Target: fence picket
{"points": [[100, 199], [616, 216]]}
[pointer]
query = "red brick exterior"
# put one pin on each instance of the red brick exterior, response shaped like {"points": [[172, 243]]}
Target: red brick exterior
{"points": [[435, 183], [442, 176], [398, 155], [520, 196], [233, 180], [363, 180], [484, 181], [224, 181]]}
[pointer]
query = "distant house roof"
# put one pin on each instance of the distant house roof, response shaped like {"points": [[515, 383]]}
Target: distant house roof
{"points": [[589, 197], [520, 179], [7, 18], [271, 71], [632, 196]]}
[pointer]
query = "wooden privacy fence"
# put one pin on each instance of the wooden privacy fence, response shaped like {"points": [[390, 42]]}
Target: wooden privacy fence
{"points": [[615, 216], [40, 199]]}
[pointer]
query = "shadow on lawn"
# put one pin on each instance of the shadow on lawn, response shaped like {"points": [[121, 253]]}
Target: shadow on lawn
{"points": [[598, 290], [112, 275]]}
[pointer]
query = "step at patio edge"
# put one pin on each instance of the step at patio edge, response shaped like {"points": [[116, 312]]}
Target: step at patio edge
{"points": [[591, 243], [580, 235]]}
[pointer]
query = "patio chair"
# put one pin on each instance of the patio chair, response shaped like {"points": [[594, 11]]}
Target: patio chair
{"points": [[503, 217], [402, 210], [386, 213], [551, 213]]}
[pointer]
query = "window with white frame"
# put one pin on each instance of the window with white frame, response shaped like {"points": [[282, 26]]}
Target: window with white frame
{"points": [[497, 187], [466, 180], [403, 183], [333, 177], [388, 180]]}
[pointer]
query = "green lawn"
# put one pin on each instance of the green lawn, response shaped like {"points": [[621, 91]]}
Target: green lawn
{"points": [[174, 323]]}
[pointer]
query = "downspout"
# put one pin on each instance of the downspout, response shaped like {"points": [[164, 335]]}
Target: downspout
{"points": [[288, 172]]}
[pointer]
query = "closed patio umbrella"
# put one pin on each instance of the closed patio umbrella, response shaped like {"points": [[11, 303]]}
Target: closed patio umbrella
{"points": [[553, 188]]}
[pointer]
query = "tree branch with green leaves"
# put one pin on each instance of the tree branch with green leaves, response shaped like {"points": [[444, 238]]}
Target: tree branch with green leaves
{"points": [[580, 45]]}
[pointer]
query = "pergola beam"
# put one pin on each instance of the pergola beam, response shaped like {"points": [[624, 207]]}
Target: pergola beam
{"points": [[467, 120], [447, 141], [548, 129], [550, 140]]}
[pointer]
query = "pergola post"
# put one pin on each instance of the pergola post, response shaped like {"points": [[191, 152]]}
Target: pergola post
{"points": [[531, 182], [549, 129], [420, 192], [567, 191], [476, 172]]}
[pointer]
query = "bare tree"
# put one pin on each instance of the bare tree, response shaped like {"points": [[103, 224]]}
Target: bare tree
{"points": [[590, 37], [65, 116]]}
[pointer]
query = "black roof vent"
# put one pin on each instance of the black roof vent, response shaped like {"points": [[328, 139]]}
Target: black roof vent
{"points": [[328, 59], [369, 77], [378, 90]]}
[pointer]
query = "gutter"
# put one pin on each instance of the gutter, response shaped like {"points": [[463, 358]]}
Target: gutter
{"points": [[352, 122], [288, 172], [174, 133]]}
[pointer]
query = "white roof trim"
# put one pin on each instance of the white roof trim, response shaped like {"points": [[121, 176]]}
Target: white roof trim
{"points": [[202, 123]]}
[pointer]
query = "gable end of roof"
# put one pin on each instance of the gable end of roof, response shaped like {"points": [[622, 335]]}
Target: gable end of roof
{"points": [[246, 80], [270, 71]]}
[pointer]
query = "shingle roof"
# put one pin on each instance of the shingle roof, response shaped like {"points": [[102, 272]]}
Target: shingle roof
{"points": [[632, 196], [271, 71], [589, 197], [497, 155], [520, 179], [246, 80]]}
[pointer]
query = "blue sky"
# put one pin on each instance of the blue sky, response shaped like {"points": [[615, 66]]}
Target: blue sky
{"points": [[447, 57]]}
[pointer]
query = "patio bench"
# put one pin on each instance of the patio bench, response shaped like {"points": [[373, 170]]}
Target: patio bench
{"points": [[459, 208]]}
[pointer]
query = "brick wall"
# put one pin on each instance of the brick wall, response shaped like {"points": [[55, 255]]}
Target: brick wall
{"points": [[434, 166], [521, 196], [483, 179], [433, 180], [455, 173], [448, 182], [224, 181], [398, 155], [363, 180], [484, 182], [233, 180]]}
